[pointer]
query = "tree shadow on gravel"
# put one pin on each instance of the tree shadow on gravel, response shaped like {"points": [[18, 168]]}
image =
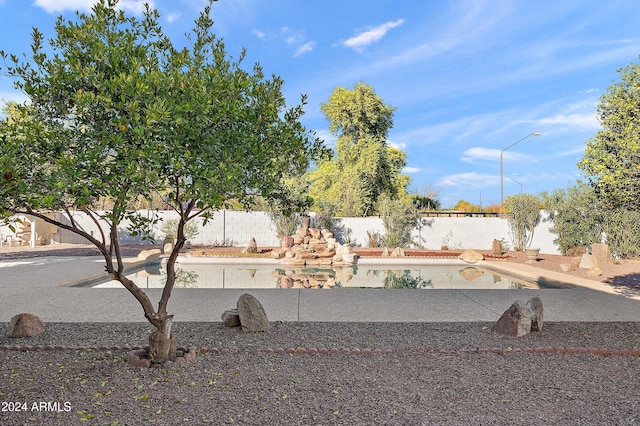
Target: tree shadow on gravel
{"points": [[627, 285]]}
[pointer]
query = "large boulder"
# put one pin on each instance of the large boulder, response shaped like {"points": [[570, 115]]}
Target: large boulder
{"points": [[515, 321], [252, 315], [25, 325], [471, 256]]}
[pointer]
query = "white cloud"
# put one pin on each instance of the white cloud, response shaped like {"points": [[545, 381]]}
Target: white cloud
{"points": [[480, 153], [172, 17], [136, 7], [398, 145], [307, 47], [586, 121], [360, 41], [260, 34], [328, 138], [411, 170], [291, 37], [469, 179], [12, 96]]}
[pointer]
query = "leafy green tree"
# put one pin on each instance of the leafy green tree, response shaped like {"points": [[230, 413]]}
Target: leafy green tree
{"points": [[399, 218], [612, 158], [282, 210], [579, 220], [524, 216], [117, 111], [364, 166], [575, 216]]}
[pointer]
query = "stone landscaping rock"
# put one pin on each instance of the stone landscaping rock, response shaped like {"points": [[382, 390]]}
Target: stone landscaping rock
{"points": [[471, 256], [312, 246], [252, 315], [515, 321], [587, 261], [287, 242], [398, 252], [231, 318], [252, 247], [278, 253], [497, 247], [601, 253], [536, 311], [25, 325]]}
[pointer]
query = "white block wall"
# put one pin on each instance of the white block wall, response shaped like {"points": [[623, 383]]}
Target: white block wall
{"points": [[231, 227]]}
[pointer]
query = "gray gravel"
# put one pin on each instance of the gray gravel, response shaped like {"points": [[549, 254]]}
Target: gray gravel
{"points": [[246, 384]]}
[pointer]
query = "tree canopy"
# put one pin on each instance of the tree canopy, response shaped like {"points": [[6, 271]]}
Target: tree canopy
{"points": [[364, 167], [612, 158], [116, 110]]}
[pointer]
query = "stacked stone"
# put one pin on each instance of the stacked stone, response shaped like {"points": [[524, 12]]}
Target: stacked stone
{"points": [[314, 247]]}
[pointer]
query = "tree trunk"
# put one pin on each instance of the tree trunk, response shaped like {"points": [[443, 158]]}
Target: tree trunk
{"points": [[162, 344]]}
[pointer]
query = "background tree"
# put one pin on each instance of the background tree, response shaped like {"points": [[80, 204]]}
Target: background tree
{"points": [[364, 166], [574, 213], [524, 216], [399, 218], [466, 206], [579, 220], [117, 111], [611, 160]]}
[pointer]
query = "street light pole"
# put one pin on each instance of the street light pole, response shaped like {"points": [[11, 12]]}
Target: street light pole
{"points": [[480, 195], [501, 166], [510, 177]]}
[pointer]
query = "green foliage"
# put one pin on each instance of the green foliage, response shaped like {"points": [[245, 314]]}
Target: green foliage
{"points": [[117, 111], [425, 203], [284, 211], [612, 158], [170, 229], [580, 219], [326, 216], [524, 216], [399, 217], [364, 166], [575, 216], [621, 229]]}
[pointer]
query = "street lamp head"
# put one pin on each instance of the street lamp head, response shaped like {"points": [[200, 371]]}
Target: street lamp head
{"points": [[536, 133]]}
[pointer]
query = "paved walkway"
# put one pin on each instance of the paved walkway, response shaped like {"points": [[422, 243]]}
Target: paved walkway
{"points": [[41, 286]]}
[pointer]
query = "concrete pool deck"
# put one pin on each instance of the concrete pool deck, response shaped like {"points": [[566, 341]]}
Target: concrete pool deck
{"points": [[41, 286]]}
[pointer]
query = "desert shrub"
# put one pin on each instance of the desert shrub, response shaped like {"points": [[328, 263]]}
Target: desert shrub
{"points": [[524, 216], [399, 218]]}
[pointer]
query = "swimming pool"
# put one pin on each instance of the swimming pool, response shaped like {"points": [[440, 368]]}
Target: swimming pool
{"points": [[275, 275]]}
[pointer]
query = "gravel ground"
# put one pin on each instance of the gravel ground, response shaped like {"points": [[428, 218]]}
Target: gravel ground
{"points": [[373, 373], [426, 374]]}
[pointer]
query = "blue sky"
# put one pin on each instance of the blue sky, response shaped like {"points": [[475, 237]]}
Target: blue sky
{"points": [[467, 78]]}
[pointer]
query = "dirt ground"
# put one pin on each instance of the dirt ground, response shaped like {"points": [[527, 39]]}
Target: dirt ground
{"points": [[624, 274]]}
